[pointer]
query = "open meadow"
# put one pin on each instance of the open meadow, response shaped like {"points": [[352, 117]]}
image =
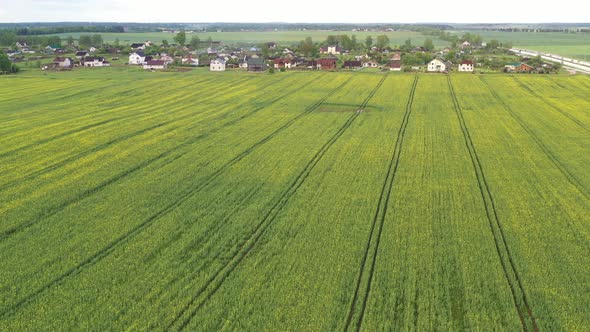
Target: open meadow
{"points": [[259, 37], [303, 201]]}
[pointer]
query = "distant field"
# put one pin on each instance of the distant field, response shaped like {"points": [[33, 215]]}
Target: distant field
{"points": [[283, 37], [294, 202], [570, 45]]}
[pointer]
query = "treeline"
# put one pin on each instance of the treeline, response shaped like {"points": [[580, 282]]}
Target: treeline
{"points": [[66, 29], [9, 38]]}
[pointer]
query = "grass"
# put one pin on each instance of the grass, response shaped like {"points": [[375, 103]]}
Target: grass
{"points": [[207, 201], [258, 37], [565, 44]]}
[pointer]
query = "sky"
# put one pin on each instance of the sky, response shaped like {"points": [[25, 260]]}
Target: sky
{"points": [[299, 11]]}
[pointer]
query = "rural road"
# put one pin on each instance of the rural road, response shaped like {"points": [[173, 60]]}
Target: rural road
{"points": [[578, 65]]}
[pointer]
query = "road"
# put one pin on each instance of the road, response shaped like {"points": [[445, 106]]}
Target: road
{"points": [[577, 65]]}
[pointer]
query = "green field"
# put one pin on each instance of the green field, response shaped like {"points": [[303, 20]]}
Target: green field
{"points": [[565, 44], [296, 201], [257, 37]]}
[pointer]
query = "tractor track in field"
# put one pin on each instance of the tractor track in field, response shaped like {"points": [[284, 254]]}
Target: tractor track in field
{"points": [[550, 104], [569, 176], [554, 160], [379, 218], [219, 277], [105, 105], [84, 93], [519, 297], [105, 251], [54, 93], [170, 101], [89, 192], [117, 140]]}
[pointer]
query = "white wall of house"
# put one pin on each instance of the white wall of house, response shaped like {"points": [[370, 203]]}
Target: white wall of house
{"points": [[437, 65], [136, 59], [465, 67], [217, 66]]}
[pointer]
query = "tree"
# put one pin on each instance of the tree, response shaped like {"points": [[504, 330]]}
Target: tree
{"points": [[7, 67], [345, 42], [353, 42], [70, 41], [96, 40], [368, 42], [117, 42], [382, 41], [428, 44], [7, 37], [493, 44], [195, 42], [165, 43], [307, 47], [331, 40], [180, 38], [407, 46], [84, 40]]}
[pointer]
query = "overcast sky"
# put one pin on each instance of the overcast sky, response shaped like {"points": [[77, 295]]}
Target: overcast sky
{"points": [[455, 11]]}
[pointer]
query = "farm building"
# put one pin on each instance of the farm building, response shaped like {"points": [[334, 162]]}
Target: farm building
{"points": [[256, 64], [62, 63], [466, 44], [137, 58], [217, 65], [352, 64], [155, 65], [466, 65], [327, 63], [395, 65], [95, 62], [82, 54], [437, 65], [166, 58]]}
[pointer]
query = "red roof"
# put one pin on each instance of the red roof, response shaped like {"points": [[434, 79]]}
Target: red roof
{"points": [[467, 62]]}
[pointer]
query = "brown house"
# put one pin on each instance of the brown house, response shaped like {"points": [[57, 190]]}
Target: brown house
{"points": [[352, 64], [327, 63], [524, 68]]}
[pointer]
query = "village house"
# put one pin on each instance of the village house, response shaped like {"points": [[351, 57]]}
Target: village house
{"points": [[82, 54], [62, 63], [466, 65], [217, 65], [95, 62], [466, 44], [190, 61], [166, 58], [137, 58], [283, 63], [155, 65], [352, 64], [138, 46], [333, 49], [395, 65], [326, 63], [524, 68], [256, 64], [437, 65], [370, 64]]}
